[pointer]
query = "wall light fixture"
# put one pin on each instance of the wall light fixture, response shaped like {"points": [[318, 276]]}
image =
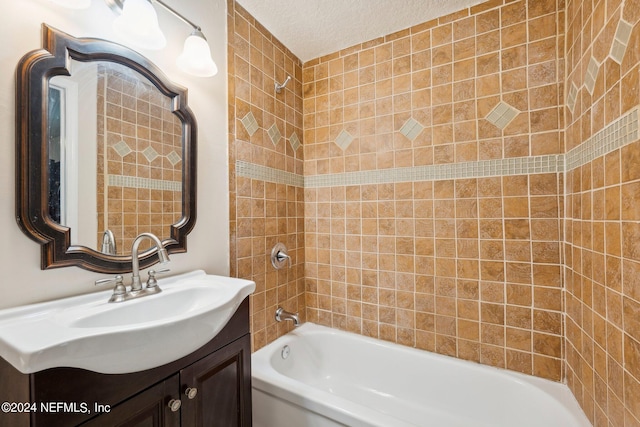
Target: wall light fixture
{"points": [[138, 24]]}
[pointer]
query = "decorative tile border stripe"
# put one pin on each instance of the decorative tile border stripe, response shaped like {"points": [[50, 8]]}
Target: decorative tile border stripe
{"points": [[135, 182], [264, 173], [485, 168], [616, 135]]}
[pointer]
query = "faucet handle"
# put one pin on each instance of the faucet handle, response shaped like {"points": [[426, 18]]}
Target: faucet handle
{"points": [[117, 279], [151, 281], [119, 291]]}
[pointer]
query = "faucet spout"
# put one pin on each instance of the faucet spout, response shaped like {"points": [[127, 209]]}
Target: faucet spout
{"points": [[136, 284], [109, 243], [282, 314]]}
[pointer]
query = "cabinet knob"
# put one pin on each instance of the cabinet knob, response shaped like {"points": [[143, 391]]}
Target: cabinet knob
{"points": [[174, 405], [191, 392]]}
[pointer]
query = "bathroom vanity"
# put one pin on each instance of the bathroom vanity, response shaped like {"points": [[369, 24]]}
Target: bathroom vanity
{"points": [[173, 352], [211, 386]]}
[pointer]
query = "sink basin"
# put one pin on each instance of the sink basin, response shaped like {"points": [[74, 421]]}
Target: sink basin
{"points": [[114, 338]]}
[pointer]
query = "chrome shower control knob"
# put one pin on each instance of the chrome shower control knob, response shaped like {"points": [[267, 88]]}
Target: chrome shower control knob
{"points": [[279, 256], [191, 392], [174, 405]]}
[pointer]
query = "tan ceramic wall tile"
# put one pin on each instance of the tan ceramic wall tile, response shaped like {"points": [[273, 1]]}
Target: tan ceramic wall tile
{"points": [[453, 230], [599, 256], [266, 213]]}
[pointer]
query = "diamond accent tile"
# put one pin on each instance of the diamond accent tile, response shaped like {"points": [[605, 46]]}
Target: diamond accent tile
{"points": [[150, 153], [274, 134], [294, 141], [572, 97], [502, 115], [621, 41], [411, 129], [174, 158], [250, 124], [592, 75], [122, 148], [344, 139]]}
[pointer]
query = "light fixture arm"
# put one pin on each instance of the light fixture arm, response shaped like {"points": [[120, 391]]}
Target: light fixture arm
{"points": [[177, 14], [117, 5]]}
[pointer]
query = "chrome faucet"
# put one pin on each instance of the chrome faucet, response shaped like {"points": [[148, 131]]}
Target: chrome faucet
{"points": [[120, 292], [109, 243], [136, 285], [282, 314]]}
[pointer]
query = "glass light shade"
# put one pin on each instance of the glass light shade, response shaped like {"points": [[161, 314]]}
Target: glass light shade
{"points": [[138, 24], [73, 4], [195, 58]]}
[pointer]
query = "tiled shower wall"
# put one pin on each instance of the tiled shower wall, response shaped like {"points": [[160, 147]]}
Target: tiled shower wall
{"points": [[603, 211], [140, 148], [265, 130], [425, 224]]}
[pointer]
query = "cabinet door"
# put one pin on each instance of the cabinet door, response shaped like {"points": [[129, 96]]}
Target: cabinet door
{"points": [[147, 409], [223, 388]]}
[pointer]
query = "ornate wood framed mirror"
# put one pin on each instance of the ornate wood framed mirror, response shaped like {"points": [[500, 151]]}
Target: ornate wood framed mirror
{"points": [[106, 150]]}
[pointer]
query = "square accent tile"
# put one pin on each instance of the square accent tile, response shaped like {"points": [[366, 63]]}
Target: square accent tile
{"points": [[572, 97], [174, 158], [250, 124], [122, 148], [150, 153], [502, 115], [621, 41], [274, 134], [294, 141], [411, 129], [344, 139], [592, 75]]}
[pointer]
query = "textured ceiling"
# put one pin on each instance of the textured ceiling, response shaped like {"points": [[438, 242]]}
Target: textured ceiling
{"points": [[313, 28]]}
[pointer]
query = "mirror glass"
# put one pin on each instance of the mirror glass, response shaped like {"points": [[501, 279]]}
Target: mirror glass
{"points": [[115, 147]]}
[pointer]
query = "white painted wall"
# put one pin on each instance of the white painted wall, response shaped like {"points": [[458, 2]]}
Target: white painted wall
{"points": [[21, 279]]}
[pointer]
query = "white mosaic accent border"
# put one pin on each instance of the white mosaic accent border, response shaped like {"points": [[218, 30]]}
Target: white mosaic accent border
{"points": [[136, 182], [264, 173], [617, 134], [485, 168]]}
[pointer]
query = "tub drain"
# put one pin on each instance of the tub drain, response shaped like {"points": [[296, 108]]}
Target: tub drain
{"points": [[285, 352]]}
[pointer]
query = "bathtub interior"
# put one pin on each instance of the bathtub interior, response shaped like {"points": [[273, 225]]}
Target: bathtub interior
{"points": [[416, 385]]}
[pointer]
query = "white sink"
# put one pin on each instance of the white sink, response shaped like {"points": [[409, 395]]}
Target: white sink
{"points": [[114, 338]]}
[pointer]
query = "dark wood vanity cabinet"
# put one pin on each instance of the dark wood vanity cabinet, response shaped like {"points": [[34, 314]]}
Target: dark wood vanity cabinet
{"points": [[210, 387]]}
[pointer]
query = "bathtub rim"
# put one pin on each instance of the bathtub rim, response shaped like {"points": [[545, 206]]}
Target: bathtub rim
{"points": [[266, 379]]}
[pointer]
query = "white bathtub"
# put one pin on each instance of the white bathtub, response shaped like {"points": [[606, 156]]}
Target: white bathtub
{"points": [[335, 378]]}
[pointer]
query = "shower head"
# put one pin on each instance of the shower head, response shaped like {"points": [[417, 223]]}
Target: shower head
{"points": [[279, 87]]}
